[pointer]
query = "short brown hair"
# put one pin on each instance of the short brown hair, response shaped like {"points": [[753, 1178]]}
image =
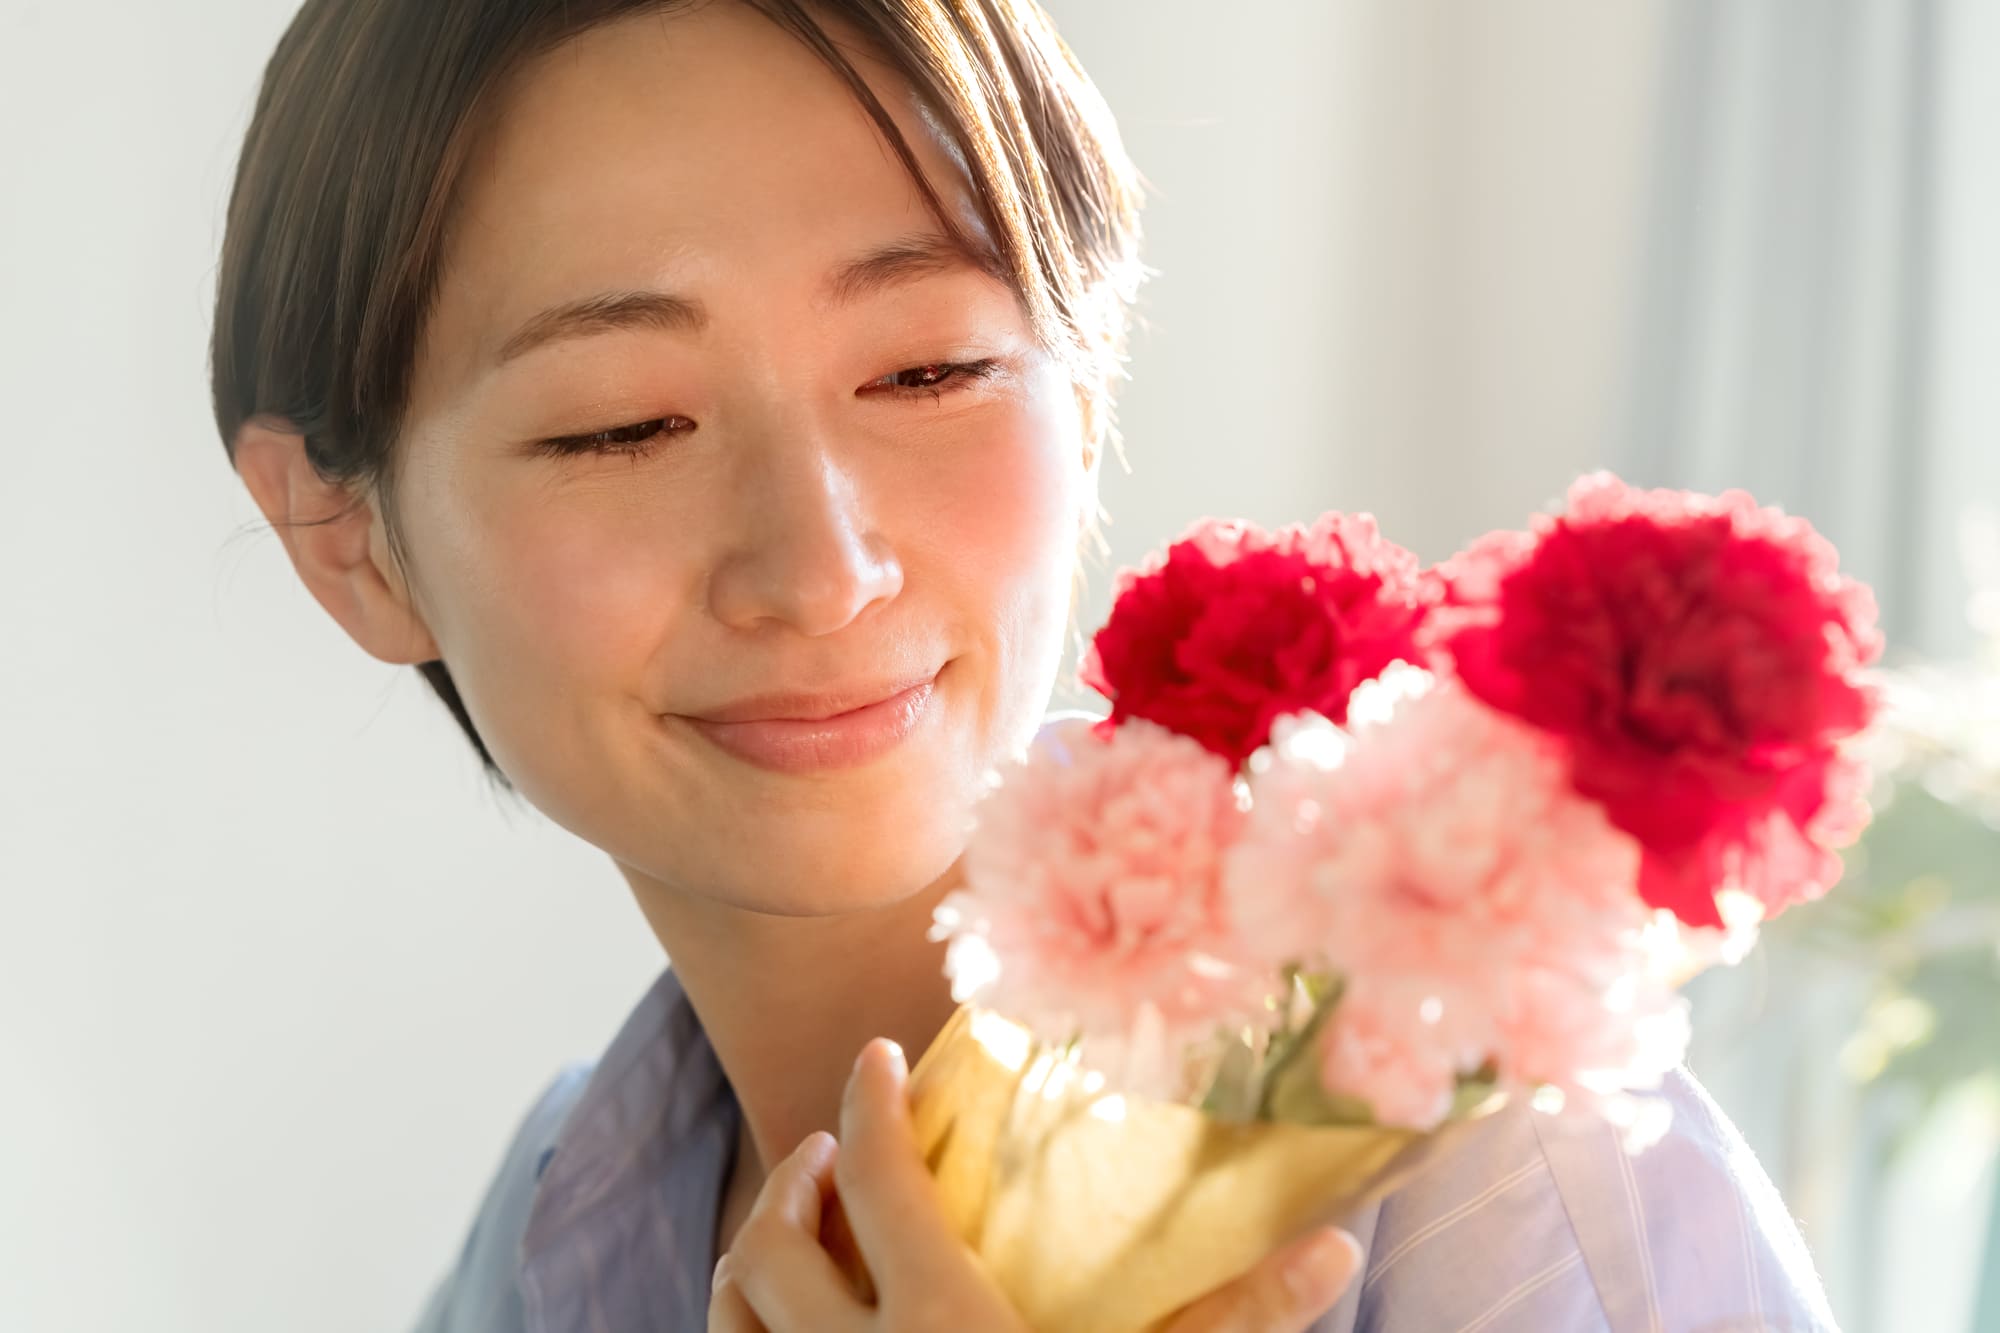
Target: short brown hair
{"points": [[338, 217]]}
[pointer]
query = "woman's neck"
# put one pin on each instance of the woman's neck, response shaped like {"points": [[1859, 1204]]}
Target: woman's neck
{"points": [[824, 986]]}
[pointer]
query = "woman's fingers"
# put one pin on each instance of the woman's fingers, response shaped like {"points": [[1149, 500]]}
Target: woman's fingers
{"points": [[795, 1191], [1284, 1294], [776, 1264], [925, 1277], [728, 1312], [899, 1222], [889, 1198]]}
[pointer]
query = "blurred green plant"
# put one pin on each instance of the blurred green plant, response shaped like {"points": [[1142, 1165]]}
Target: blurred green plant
{"points": [[1918, 909], [1916, 915]]}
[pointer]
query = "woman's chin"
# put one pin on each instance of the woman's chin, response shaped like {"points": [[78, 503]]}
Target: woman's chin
{"points": [[836, 881]]}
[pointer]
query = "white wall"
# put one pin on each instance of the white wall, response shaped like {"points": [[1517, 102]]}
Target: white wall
{"points": [[1396, 240], [276, 976]]}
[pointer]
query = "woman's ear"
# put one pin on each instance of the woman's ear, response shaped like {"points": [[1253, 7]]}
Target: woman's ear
{"points": [[337, 542]]}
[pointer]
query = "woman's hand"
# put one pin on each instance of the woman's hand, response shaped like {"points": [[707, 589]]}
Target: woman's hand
{"points": [[779, 1278]]}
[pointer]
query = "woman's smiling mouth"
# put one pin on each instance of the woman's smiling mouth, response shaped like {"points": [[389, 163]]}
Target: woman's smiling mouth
{"points": [[800, 733]]}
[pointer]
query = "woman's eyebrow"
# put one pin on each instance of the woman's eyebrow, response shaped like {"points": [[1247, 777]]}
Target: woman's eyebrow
{"points": [[907, 258], [901, 261], [602, 313]]}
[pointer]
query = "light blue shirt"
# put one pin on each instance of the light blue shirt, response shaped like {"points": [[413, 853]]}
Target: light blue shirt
{"points": [[602, 1216]]}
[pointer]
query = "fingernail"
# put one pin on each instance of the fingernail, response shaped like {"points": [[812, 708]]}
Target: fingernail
{"points": [[1317, 1274], [891, 1056], [721, 1271]]}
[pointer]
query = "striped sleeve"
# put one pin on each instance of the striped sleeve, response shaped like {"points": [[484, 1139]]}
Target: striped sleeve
{"points": [[1533, 1222], [1692, 1236]]}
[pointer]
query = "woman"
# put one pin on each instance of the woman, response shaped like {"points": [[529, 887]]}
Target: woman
{"points": [[708, 399]]}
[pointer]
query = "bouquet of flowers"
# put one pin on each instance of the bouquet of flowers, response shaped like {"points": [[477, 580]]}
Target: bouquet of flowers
{"points": [[1364, 850]]}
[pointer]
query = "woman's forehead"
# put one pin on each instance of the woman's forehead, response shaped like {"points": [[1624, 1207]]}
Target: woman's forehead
{"points": [[695, 147]]}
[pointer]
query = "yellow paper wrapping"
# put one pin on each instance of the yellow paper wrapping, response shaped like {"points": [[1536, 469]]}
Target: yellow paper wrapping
{"points": [[1099, 1214]]}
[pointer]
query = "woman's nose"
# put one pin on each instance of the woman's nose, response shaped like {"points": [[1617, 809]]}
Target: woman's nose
{"points": [[803, 551]]}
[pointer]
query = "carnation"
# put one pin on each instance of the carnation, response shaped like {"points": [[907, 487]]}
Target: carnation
{"points": [[1701, 658], [1437, 853], [1388, 1047], [1231, 628], [1092, 904]]}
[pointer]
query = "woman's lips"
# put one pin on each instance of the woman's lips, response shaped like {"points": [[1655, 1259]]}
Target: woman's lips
{"points": [[797, 745]]}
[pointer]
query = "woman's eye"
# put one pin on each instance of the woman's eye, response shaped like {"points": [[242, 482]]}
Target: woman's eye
{"points": [[938, 377], [931, 380], [636, 438]]}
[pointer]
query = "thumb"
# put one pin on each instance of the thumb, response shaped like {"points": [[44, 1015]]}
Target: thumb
{"points": [[1285, 1293]]}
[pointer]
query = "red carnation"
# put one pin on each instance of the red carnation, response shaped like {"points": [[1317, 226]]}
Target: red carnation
{"points": [[1702, 656], [1231, 628]]}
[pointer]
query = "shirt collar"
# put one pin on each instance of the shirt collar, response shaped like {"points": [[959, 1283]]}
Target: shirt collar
{"points": [[638, 1164]]}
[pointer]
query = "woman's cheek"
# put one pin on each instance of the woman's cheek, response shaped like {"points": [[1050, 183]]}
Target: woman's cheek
{"points": [[1010, 538], [1015, 498], [580, 597]]}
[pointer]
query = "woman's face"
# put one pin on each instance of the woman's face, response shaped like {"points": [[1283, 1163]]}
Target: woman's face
{"points": [[802, 449]]}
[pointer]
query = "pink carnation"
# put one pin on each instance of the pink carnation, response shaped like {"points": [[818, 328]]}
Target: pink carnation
{"points": [[1092, 901], [1437, 850], [1386, 1046], [1572, 1032]]}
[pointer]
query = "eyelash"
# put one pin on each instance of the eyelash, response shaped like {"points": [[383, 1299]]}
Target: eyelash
{"points": [[639, 437]]}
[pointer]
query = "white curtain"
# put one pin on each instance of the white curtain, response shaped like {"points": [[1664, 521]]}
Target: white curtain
{"points": [[1818, 321], [1804, 293]]}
